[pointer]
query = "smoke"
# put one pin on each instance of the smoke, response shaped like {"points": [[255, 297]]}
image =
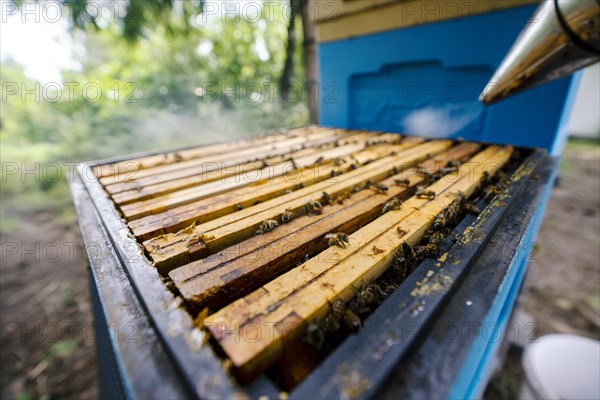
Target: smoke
{"points": [[441, 121]]}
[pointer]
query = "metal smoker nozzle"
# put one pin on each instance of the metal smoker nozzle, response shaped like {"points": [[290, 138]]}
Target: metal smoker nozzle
{"points": [[562, 37]]}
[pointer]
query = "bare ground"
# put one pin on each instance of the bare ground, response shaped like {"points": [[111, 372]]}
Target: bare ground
{"points": [[47, 343]]}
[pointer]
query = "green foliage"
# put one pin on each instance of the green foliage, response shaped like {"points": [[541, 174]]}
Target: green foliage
{"points": [[150, 89]]}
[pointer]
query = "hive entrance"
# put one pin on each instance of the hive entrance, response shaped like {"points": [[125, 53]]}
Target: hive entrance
{"points": [[281, 246]]}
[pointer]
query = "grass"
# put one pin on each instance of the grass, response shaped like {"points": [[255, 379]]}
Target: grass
{"points": [[583, 144]]}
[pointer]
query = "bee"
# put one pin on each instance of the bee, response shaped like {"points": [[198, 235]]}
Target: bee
{"points": [[452, 164], [422, 171], [267, 226], [395, 170], [490, 191], [314, 336], [326, 199], [486, 178], [313, 206], [392, 205], [379, 188], [400, 267], [436, 238], [406, 255], [352, 320], [402, 182], [365, 185], [335, 173], [471, 208], [504, 179], [293, 162], [287, 216], [319, 160], [352, 167], [239, 207], [338, 308], [288, 191], [453, 211], [370, 295], [407, 252], [263, 164], [337, 161], [337, 239], [388, 288], [300, 185], [448, 170], [424, 194], [339, 199], [303, 260], [426, 251], [330, 323], [439, 222]]}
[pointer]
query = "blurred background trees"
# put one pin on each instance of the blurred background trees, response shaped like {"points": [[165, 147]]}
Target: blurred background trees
{"points": [[156, 75]]}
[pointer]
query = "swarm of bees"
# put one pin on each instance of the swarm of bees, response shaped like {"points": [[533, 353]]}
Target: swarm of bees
{"points": [[267, 226], [338, 239], [339, 315], [346, 316]]}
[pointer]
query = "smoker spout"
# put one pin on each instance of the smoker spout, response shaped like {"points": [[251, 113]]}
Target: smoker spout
{"points": [[562, 37]]}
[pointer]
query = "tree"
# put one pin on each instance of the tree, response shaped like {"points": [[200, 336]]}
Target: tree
{"points": [[176, 16]]}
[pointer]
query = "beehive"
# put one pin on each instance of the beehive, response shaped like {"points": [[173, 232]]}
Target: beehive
{"points": [[261, 248], [181, 261]]}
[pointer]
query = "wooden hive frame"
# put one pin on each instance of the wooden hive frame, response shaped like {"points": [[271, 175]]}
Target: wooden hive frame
{"points": [[205, 235]]}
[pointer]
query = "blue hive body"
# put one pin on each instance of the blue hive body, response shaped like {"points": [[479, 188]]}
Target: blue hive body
{"points": [[375, 81], [378, 80]]}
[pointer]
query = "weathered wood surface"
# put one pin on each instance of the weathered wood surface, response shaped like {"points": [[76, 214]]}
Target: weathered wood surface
{"points": [[127, 167], [235, 271], [180, 191], [272, 316], [208, 169], [201, 211], [171, 250], [245, 154]]}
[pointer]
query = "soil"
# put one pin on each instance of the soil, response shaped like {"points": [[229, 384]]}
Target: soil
{"points": [[47, 343], [48, 347], [561, 293]]}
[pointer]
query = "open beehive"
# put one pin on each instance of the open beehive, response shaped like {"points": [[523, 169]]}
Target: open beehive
{"points": [[269, 254]]}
